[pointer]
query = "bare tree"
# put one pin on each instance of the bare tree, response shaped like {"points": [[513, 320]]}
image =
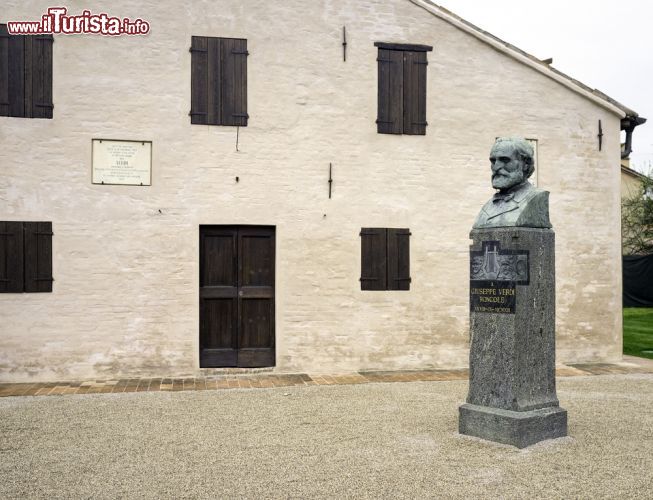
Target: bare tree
{"points": [[637, 221]]}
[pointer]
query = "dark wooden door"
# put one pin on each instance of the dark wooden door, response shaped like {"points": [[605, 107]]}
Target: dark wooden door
{"points": [[236, 296]]}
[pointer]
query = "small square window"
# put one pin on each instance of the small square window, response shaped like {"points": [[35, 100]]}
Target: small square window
{"points": [[25, 257], [385, 259]]}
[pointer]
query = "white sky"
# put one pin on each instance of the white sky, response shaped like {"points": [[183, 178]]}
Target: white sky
{"points": [[606, 44]]}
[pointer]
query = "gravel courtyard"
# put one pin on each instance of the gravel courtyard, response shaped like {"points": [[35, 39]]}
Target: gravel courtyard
{"points": [[392, 440]]}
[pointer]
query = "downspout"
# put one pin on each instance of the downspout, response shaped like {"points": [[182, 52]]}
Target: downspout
{"points": [[628, 123]]}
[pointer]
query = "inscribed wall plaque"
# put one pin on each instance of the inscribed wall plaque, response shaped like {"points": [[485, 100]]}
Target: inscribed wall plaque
{"points": [[122, 162]]}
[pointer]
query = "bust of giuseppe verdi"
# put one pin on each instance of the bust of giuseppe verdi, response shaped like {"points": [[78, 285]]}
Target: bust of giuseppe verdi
{"points": [[517, 202]]}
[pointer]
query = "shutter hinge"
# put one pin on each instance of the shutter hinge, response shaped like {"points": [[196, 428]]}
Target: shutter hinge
{"points": [[240, 115], [409, 280], [421, 62], [385, 121], [244, 52], [421, 123], [44, 105], [44, 279], [195, 49], [192, 113], [380, 59], [40, 233], [368, 279]]}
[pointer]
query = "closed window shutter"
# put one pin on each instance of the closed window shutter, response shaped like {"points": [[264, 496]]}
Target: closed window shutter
{"points": [[4, 70], [414, 98], [373, 259], [214, 81], [398, 259], [199, 80], [390, 92], [38, 256], [11, 257], [38, 58], [234, 81], [16, 75]]}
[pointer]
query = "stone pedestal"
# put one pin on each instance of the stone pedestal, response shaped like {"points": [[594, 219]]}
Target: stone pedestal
{"points": [[512, 394]]}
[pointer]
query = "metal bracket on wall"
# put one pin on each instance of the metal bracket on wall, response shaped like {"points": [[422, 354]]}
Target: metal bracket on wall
{"points": [[330, 180], [344, 44], [600, 135]]}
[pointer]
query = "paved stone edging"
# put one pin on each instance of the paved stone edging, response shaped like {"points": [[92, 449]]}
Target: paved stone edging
{"points": [[264, 380]]}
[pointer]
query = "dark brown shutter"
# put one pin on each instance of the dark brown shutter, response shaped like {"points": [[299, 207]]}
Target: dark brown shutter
{"points": [[39, 59], [234, 81], [415, 93], [11, 257], [199, 80], [390, 93], [398, 259], [4, 70], [38, 256], [214, 81], [16, 74], [373, 259]]}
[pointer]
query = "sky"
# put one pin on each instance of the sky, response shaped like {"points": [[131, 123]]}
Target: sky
{"points": [[606, 44]]}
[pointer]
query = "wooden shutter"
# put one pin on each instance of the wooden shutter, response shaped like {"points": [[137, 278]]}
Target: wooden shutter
{"points": [[373, 259], [16, 75], [398, 259], [214, 81], [4, 70], [414, 98], [218, 81], [234, 81], [11, 257], [38, 76], [25, 75], [38, 256], [390, 93], [199, 80]]}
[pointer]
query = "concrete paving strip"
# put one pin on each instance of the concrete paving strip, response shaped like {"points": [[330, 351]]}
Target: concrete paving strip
{"points": [[373, 440]]}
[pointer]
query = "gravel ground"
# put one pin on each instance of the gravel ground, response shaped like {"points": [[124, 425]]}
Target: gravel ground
{"points": [[388, 440]]}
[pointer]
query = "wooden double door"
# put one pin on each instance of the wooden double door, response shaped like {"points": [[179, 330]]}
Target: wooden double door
{"points": [[236, 296]]}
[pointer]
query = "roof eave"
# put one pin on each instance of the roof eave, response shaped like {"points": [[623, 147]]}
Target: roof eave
{"points": [[510, 50]]}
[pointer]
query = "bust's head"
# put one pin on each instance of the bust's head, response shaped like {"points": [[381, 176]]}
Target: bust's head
{"points": [[511, 160]]}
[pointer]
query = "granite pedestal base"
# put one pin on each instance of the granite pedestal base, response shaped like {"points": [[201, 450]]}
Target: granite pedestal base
{"points": [[512, 388], [516, 428]]}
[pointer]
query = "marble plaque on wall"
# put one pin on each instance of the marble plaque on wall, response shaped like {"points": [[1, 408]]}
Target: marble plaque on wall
{"points": [[122, 162]]}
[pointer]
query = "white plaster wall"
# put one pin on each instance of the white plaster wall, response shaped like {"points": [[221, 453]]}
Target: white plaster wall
{"points": [[125, 299]]}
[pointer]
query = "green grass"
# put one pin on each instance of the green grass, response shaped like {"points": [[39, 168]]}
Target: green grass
{"points": [[638, 331]]}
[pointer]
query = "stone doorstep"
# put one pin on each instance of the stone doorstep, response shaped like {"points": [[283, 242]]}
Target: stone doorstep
{"points": [[265, 379]]}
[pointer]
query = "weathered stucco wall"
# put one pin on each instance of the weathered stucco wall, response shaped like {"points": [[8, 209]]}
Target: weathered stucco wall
{"points": [[631, 185], [125, 299]]}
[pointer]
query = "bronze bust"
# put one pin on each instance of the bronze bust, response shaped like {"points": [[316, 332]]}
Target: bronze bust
{"points": [[518, 202]]}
